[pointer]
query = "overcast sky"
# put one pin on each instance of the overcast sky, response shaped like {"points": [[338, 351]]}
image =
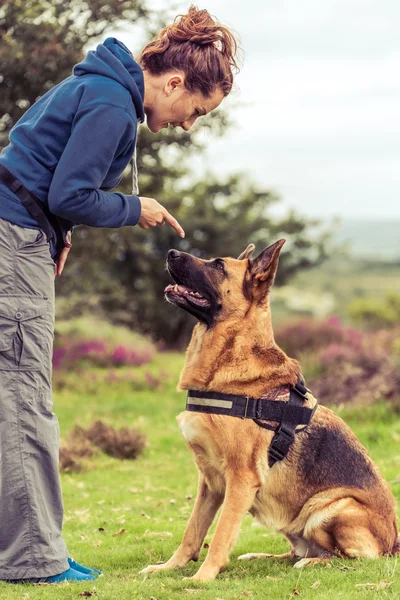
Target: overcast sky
{"points": [[317, 111]]}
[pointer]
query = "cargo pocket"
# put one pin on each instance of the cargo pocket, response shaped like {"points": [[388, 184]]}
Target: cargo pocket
{"points": [[24, 338], [47, 426]]}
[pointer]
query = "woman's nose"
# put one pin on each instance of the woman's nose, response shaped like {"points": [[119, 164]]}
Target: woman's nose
{"points": [[186, 125]]}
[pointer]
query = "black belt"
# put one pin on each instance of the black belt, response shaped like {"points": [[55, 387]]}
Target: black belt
{"points": [[36, 208], [289, 414]]}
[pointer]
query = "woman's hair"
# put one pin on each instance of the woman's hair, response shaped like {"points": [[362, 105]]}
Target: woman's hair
{"points": [[200, 47]]}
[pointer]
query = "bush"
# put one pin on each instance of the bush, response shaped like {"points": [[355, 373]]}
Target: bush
{"points": [[355, 374], [309, 335], [125, 444], [343, 365], [69, 353]]}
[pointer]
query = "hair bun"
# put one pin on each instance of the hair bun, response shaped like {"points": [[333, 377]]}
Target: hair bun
{"points": [[198, 45], [197, 26]]}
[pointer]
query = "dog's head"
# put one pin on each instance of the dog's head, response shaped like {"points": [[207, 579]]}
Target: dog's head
{"points": [[222, 288]]}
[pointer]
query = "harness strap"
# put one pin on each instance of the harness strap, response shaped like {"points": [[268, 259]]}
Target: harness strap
{"points": [[29, 200], [285, 434], [246, 407], [288, 414]]}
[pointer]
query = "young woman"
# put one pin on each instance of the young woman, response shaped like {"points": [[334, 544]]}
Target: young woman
{"points": [[65, 155]]}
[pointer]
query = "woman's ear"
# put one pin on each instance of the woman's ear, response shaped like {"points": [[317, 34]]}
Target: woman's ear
{"points": [[173, 82]]}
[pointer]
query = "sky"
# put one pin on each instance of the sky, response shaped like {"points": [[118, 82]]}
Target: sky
{"points": [[316, 109]]}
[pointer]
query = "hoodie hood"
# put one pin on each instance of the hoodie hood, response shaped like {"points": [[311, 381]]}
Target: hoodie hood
{"points": [[113, 59]]}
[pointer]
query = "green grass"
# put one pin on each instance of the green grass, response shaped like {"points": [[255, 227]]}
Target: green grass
{"points": [[151, 499]]}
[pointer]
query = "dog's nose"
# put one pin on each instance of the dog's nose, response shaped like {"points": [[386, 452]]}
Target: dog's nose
{"points": [[174, 254]]}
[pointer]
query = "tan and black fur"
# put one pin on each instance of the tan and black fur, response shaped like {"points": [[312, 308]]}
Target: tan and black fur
{"points": [[327, 496]]}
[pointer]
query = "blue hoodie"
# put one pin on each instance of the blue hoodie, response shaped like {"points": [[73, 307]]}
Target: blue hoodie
{"points": [[71, 147]]}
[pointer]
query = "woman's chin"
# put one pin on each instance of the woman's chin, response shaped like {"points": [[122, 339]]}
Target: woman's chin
{"points": [[155, 127]]}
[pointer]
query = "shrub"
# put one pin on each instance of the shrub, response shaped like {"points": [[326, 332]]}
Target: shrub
{"points": [[126, 443], [350, 374], [344, 365], [309, 335], [69, 353]]}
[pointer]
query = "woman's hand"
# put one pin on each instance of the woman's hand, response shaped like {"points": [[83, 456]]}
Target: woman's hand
{"points": [[63, 256], [154, 214]]}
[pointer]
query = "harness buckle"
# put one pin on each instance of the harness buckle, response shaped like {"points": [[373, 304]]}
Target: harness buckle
{"points": [[246, 407], [259, 409], [297, 390], [286, 435], [281, 443], [275, 454]]}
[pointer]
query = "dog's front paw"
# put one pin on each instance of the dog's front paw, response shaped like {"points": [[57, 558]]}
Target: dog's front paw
{"points": [[200, 578], [152, 569], [203, 575]]}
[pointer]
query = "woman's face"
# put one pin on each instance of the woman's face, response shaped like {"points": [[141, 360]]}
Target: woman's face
{"points": [[168, 102]]}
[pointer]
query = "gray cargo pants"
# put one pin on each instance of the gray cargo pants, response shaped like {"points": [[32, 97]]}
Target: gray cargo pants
{"points": [[31, 507]]}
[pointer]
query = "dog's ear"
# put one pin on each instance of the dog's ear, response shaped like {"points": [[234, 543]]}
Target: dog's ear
{"points": [[247, 253], [263, 268]]}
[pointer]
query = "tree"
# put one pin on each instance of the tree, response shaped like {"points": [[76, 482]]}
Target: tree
{"points": [[41, 40]]}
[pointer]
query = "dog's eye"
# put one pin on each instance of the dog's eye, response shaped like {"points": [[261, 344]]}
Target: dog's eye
{"points": [[219, 265]]}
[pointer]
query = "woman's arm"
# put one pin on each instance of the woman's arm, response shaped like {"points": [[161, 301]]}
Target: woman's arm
{"points": [[98, 134]]}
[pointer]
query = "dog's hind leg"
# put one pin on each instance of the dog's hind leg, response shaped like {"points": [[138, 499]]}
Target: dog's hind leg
{"points": [[310, 562], [348, 529], [205, 508], [241, 489], [251, 556], [299, 548]]}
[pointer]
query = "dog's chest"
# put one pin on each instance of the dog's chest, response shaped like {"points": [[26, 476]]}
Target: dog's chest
{"points": [[211, 461], [203, 444]]}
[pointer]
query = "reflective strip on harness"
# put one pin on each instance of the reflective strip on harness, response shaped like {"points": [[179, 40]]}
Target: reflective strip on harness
{"points": [[194, 401]]}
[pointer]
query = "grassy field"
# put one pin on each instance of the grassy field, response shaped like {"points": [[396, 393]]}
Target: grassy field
{"points": [[122, 515]]}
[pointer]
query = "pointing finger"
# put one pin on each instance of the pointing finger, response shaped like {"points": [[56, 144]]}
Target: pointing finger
{"points": [[174, 224]]}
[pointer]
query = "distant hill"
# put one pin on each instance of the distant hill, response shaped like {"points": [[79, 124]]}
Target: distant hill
{"points": [[367, 238]]}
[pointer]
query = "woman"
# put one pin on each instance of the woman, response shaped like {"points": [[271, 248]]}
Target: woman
{"points": [[65, 155]]}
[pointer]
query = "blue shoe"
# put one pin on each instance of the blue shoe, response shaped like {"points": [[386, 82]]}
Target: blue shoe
{"points": [[68, 575], [77, 567]]}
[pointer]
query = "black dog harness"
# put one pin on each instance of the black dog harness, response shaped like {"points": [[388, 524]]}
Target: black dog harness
{"points": [[289, 414]]}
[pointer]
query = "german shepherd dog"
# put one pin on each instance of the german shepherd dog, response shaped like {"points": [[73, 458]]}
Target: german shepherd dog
{"points": [[326, 496]]}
